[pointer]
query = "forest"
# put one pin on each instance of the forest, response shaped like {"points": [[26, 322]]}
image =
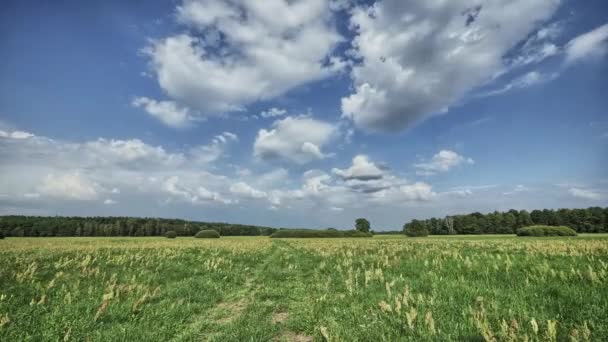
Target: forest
{"points": [[50, 226], [589, 220]]}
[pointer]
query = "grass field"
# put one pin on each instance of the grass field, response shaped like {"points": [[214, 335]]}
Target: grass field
{"points": [[258, 289]]}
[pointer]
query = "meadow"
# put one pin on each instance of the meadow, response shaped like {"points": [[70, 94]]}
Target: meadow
{"points": [[386, 288]]}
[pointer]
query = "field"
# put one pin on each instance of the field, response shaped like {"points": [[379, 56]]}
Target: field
{"points": [[258, 289]]}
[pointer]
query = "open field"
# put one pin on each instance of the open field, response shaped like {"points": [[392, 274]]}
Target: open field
{"points": [[258, 289]]}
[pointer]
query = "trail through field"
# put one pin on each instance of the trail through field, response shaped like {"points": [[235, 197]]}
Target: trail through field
{"points": [[262, 309]]}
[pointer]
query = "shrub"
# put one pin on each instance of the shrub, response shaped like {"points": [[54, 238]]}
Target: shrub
{"points": [[1, 235], [415, 229], [171, 234], [546, 231], [207, 234], [318, 233], [356, 234]]}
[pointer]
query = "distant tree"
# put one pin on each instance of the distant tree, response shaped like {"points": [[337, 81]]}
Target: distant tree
{"points": [[509, 223], [362, 225], [171, 234], [449, 224], [524, 219], [1, 235], [415, 229]]}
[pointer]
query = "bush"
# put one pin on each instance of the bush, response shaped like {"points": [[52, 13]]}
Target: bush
{"points": [[415, 229], [357, 234], [546, 231], [207, 234], [171, 234], [1, 235], [318, 233]]}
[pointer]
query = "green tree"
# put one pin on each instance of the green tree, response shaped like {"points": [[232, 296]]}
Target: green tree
{"points": [[415, 229], [362, 225], [524, 219]]}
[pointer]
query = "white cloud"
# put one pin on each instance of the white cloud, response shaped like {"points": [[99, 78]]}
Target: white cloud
{"points": [[169, 112], [518, 188], [443, 161], [245, 190], [418, 58], [273, 112], [195, 195], [418, 191], [539, 46], [60, 170], [73, 186], [244, 52], [361, 169], [206, 154], [527, 80], [592, 44], [15, 134], [109, 201], [297, 139], [133, 152], [584, 193]]}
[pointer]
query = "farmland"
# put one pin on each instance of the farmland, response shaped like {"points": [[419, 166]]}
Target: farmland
{"points": [[257, 288]]}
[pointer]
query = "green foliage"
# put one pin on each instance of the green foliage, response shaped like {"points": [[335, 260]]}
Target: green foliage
{"points": [[40, 226], [362, 225], [318, 233], [356, 234], [546, 231], [207, 234], [415, 229], [1, 235], [171, 234], [590, 220]]}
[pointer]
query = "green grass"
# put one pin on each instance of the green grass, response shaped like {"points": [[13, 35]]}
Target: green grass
{"points": [[388, 288]]}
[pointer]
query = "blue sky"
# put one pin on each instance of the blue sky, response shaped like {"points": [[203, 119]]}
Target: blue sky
{"points": [[302, 113]]}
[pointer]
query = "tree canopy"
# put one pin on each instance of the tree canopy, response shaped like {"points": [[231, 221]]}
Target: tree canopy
{"points": [[589, 220], [362, 225]]}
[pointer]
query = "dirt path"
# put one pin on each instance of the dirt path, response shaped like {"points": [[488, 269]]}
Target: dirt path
{"points": [[268, 307]]}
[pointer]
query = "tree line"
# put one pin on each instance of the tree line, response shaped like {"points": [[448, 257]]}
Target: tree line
{"points": [[589, 220], [118, 226]]}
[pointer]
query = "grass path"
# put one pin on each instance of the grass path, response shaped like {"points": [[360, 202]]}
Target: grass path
{"points": [[265, 308]]}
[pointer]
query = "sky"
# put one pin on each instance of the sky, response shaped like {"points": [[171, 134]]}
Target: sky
{"points": [[302, 113]]}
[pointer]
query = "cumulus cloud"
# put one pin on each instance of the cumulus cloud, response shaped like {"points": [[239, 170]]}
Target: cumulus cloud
{"points": [[195, 195], [73, 186], [592, 44], [132, 152], [273, 112], [15, 135], [85, 171], [206, 154], [418, 191], [245, 190], [418, 58], [361, 169], [583, 193], [244, 51], [168, 112], [443, 161], [298, 139]]}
